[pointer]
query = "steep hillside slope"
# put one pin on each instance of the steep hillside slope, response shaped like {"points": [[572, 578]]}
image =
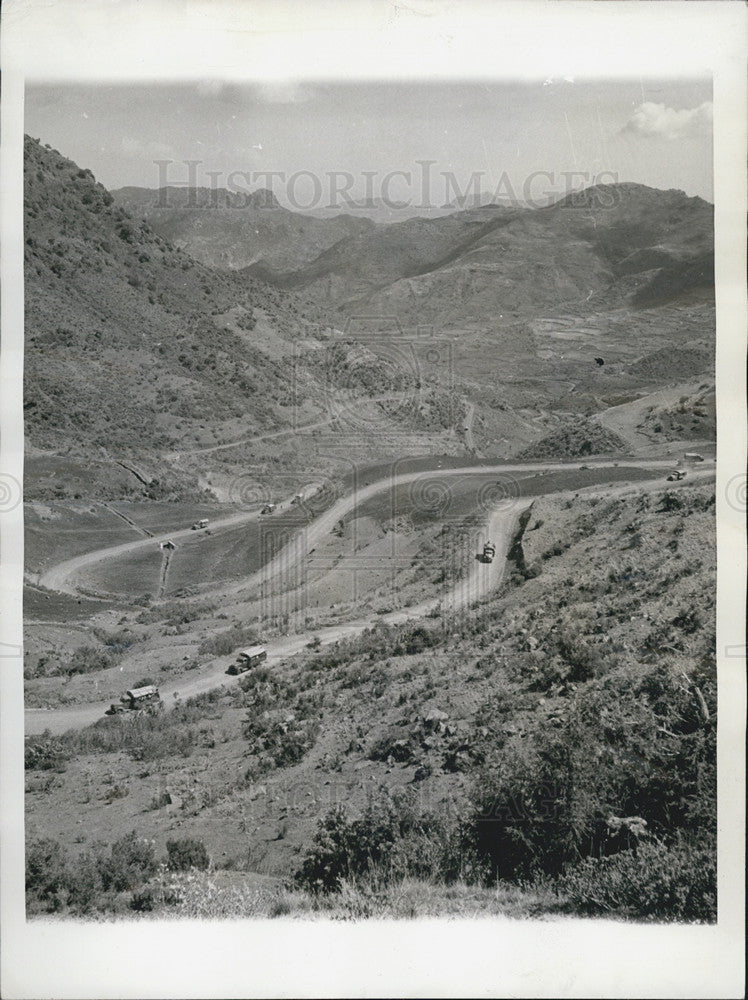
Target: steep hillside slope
{"points": [[122, 347], [602, 248], [147, 371]]}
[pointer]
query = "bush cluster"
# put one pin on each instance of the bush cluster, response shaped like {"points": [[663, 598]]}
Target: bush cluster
{"points": [[93, 880], [390, 841]]}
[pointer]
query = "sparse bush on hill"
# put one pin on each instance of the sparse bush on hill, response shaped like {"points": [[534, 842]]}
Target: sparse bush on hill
{"points": [[176, 612], [87, 659], [226, 642], [97, 879], [131, 860], [46, 876], [45, 753], [279, 739]]}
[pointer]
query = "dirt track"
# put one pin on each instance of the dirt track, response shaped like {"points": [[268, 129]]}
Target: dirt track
{"points": [[62, 576], [480, 581]]}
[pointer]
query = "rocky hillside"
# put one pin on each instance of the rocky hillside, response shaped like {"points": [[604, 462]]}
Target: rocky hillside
{"points": [[122, 344], [135, 351]]}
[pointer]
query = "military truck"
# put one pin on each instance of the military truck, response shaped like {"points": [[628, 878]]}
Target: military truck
{"points": [[489, 551], [248, 658], [137, 700]]}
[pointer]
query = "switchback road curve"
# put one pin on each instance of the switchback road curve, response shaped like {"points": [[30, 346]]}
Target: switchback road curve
{"points": [[477, 585]]}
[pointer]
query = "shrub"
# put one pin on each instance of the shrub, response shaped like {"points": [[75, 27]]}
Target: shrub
{"points": [[46, 876], [653, 882], [185, 854], [280, 741], [85, 660], [390, 841], [226, 642], [635, 743], [45, 753], [131, 861], [85, 883]]}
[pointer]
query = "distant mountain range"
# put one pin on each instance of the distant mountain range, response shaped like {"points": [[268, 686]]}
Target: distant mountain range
{"points": [[232, 230], [623, 243], [170, 323]]}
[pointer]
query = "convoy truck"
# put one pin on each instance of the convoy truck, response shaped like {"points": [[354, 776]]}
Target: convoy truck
{"points": [[136, 700], [248, 658], [489, 551]]}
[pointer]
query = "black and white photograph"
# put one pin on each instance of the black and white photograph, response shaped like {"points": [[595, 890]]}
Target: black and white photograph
{"points": [[370, 502]]}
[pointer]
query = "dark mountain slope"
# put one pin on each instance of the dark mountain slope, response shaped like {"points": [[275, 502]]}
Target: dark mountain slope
{"points": [[377, 257], [606, 247], [124, 356]]}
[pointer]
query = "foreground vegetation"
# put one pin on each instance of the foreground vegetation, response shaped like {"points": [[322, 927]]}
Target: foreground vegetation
{"points": [[552, 751]]}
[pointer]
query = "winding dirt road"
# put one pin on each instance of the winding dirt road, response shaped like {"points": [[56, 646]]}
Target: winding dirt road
{"points": [[61, 577], [481, 580]]}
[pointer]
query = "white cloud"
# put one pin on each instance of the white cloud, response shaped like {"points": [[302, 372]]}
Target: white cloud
{"points": [[657, 120]]}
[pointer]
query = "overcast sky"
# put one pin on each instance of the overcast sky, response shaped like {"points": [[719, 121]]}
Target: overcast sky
{"points": [[651, 132]]}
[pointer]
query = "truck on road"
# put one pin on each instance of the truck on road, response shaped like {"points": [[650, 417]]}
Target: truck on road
{"points": [[248, 658], [489, 551], [137, 700]]}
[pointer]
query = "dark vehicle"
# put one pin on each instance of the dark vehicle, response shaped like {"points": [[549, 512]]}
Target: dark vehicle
{"points": [[248, 658], [138, 699], [200, 524], [268, 508], [676, 476], [489, 551]]}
